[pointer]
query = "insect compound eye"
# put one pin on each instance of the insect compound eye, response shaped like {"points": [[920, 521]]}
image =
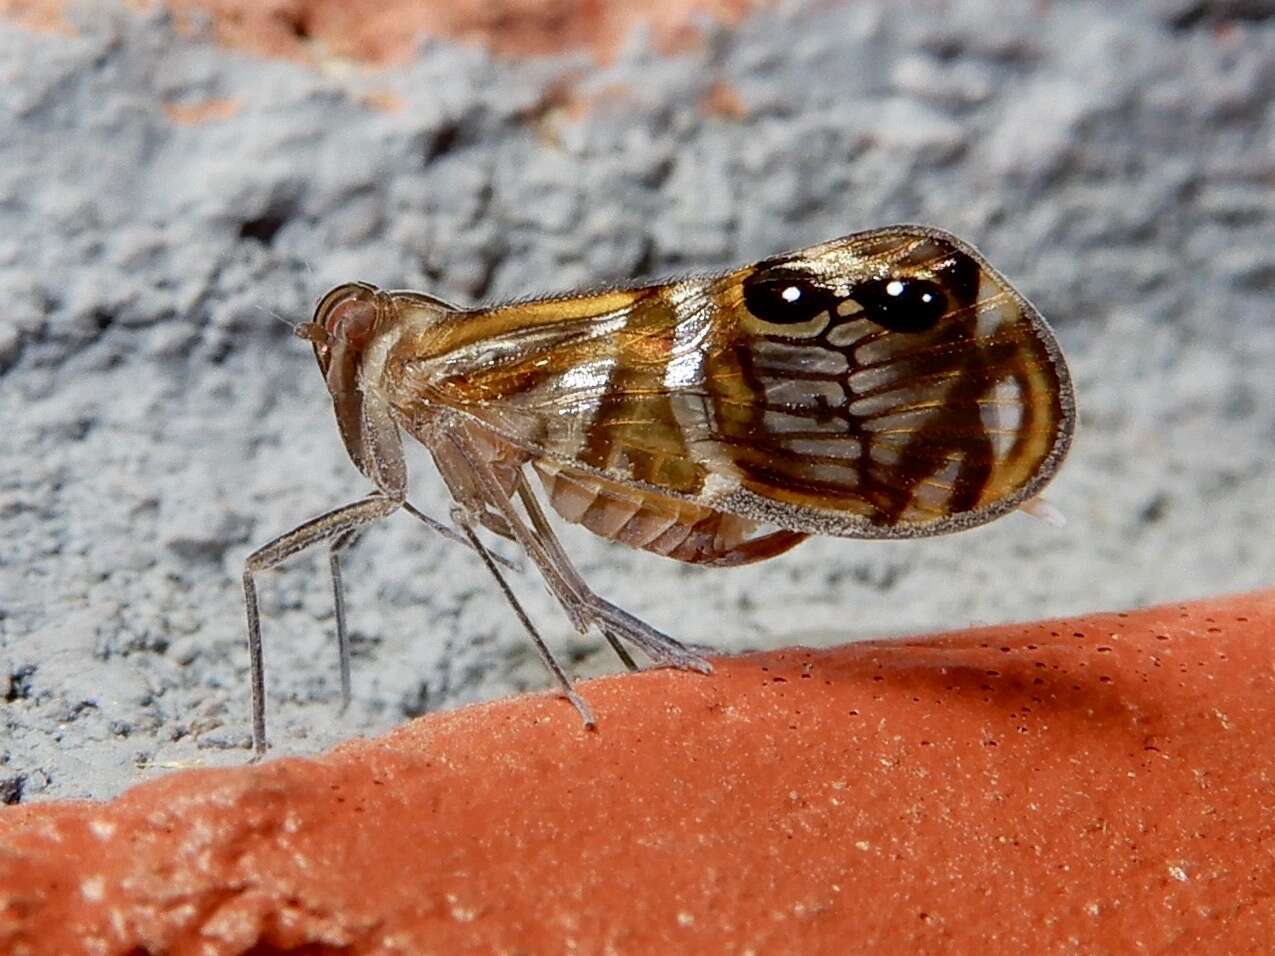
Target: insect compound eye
{"points": [[782, 300], [351, 322], [902, 304]]}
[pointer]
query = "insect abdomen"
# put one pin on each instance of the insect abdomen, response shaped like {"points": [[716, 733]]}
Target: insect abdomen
{"points": [[671, 527]]}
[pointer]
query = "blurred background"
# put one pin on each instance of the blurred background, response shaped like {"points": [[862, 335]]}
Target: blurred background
{"points": [[175, 178]]}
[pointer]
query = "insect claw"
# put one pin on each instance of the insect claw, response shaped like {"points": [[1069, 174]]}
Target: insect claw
{"points": [[687, 662], [586, 714], [1042, 510]]}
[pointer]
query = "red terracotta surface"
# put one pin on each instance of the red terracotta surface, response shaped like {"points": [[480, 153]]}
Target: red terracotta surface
{"points": [[388, 31], [201, 111], [47, 15], [1096, 785]]}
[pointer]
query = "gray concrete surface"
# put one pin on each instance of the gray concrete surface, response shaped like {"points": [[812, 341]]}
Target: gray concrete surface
{"points": [[156, 420]]}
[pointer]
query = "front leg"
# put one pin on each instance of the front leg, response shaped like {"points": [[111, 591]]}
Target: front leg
{"points": [[339, 526], [345, 540]]}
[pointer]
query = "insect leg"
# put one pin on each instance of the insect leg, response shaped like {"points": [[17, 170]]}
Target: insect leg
{"points": [[339, 544], [343, 542], [545, 530], [662, 649], [542, 527], [613, 621], [579, 602], [466, 522], [337, 524], [451, 534]]}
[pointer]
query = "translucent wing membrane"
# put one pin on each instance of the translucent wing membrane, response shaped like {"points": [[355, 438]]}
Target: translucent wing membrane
{"points": [[889, 383]]}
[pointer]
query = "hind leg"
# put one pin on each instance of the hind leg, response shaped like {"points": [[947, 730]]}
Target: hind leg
{"points": [[577, 599]]}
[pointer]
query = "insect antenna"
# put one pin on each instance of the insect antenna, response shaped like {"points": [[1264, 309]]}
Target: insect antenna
{"points": [[294, 326]]}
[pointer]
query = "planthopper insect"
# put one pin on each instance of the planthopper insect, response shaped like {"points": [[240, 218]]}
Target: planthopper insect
{"points": [[888, 384]]}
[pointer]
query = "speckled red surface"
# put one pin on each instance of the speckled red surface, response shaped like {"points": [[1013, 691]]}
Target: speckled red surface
{"points": [[390, 31], [1096, 785]]}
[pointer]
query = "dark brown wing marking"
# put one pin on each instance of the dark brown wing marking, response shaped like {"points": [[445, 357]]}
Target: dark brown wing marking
{"points": [[927, 389]]}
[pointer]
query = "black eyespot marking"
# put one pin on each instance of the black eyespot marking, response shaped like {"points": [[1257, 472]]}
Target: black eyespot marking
{"points": [[902, 305], [961, 279], [785, 300]]}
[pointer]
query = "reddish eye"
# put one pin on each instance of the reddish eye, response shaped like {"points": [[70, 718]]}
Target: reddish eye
{"points": [[351, 322]]}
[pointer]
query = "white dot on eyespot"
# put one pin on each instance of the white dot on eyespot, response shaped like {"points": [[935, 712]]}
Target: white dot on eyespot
{"points": [[927, 297], [791, 294], [894, 287]]}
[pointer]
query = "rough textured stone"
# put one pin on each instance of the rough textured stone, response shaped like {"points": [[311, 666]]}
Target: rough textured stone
{"points": [[1098, 784]]}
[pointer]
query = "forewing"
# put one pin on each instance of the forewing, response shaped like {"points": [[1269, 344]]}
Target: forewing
{"points": [[579, 381], [889, 383]]}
